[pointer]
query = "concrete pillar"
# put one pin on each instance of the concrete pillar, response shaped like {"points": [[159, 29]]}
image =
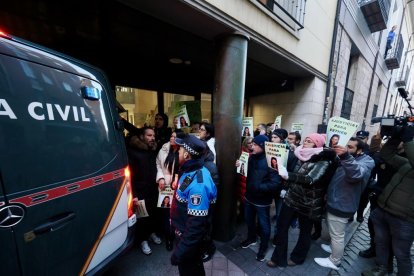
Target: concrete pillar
{"points": [[228, 99]]}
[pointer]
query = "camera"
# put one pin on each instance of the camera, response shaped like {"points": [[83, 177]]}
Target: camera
{"points": [[392, 124]]}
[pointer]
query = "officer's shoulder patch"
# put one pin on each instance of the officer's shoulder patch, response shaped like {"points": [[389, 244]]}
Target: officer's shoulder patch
{"points": [[195, 199]]}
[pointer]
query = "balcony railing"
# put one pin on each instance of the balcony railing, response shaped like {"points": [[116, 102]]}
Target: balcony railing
{"points": [[375, 13], [393, 57], [290, 12]]}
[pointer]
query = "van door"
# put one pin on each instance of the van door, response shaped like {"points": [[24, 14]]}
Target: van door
{"points": [[8, 252], [61, 162]]}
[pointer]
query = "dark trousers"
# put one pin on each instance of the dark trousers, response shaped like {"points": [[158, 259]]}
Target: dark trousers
{"points": [[148, 224], [301, 249], [398, 232], [263, 218], [193, 265], [363, 201], [166, 224]]}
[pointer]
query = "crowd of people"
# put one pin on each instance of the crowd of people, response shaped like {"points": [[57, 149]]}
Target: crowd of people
{"points": [[320, 182]]}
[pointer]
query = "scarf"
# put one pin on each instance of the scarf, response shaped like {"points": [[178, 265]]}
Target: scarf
{"points": [[304, 154]]}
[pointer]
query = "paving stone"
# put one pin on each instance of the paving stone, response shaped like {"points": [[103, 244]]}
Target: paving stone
{"points": [[220, 263], [233, 267], [226, 249], [219, 272], [235, 273]]}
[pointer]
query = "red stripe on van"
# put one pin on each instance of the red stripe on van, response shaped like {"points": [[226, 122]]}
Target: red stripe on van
{"points": [[47, 195], [2, 203]]}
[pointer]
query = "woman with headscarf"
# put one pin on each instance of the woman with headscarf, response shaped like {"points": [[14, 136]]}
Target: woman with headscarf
{"points": [[305, 198]]}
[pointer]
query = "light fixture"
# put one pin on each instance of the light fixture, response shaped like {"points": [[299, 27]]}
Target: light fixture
{"points": [[176, 60]]}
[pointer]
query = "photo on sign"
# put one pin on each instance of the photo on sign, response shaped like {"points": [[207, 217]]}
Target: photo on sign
{"points": [[247, 127], [165, 198], [276, 155], [181, 118], [273, 162], [278, 122], [244, 159]]}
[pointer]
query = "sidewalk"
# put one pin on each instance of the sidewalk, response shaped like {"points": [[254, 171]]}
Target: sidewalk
{"points": [[231, 259]]}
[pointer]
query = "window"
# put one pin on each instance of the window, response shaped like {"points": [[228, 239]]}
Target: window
{"points": [[347, 104], [291, 12], [374, 111], [140, 105]]}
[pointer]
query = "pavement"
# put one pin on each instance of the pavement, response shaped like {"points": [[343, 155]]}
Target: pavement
{"points": [[232, 260]]}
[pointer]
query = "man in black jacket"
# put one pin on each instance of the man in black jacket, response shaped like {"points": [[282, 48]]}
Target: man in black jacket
{"points": [[261, 184], [142, 161]]}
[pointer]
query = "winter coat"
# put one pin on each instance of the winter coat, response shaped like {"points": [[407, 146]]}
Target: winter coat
{"points": [[348, 183], [211, 166], [262, 182], [397, 197], [162, 170], [308, 185], [142, 163], [190, 210], [211, 144]]}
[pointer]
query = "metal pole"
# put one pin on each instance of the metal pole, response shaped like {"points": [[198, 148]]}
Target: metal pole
{"points": [[227, 113]]}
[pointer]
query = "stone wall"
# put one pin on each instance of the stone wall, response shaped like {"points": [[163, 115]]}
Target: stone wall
{"points": [[302, 105]]}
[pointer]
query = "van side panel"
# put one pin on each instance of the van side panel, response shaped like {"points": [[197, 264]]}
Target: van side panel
{"points": [[60, 160]]}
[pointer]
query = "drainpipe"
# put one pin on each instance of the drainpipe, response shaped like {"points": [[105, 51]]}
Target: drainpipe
{"points": [[370, 89], [322, 127]]}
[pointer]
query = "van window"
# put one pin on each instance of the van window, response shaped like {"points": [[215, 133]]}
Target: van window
{"points": [[57, 135]]}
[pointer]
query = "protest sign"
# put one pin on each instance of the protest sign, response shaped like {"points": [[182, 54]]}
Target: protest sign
{"points": [[297, 127], [278, 122], [339, 131], [182, 115], [247, 127], [276, 153], [244, 158], [141, 211], [165, 198]]}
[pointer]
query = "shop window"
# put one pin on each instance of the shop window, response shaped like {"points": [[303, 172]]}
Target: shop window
{"points": [[170, 101], [140, 105]]}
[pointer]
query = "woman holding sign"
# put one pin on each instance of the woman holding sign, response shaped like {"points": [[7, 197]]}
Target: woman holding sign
{"points": [[167, 167], [304, 199]]}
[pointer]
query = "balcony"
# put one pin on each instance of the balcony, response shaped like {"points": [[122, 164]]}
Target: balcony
{"points": [[375, 13], [393, 57], [292, 12], [402, 77]]}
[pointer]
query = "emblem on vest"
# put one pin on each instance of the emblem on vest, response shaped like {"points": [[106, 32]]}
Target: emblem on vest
{"points": [[195, 199]]}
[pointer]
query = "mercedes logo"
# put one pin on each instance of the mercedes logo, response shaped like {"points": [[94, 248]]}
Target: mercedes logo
{"points": [[11, 215]]}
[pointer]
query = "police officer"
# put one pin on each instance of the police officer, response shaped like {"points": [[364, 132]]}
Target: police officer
{"points": [[195, 193]]}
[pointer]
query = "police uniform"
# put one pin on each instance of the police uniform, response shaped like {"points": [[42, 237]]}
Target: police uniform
{"points": [[195, 193]]}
